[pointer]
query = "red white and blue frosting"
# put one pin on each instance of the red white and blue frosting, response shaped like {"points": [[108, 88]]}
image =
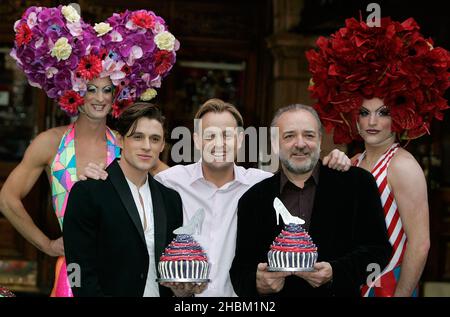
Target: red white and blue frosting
{"points": [[292, 248], [184, 258]]}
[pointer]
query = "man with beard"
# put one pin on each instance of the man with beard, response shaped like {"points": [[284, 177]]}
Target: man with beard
{"points": [[215, 183], [342, 213]]}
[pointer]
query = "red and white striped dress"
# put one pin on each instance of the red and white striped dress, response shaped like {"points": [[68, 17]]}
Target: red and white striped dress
{"points": [[386, 282]]}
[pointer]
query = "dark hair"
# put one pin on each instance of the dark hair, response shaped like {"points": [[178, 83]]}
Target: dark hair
{"points": [[130, 116], [217, 105]]}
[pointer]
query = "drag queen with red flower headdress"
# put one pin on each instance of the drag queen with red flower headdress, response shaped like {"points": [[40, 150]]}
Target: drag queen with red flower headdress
{"points": [[385, 84], [91, 71]]}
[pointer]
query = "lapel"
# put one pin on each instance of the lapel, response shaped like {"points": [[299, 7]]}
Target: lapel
{"points": [[316, 209], [119, 182], [276, 184], [323, 204], [159, 217], [274, 191]]}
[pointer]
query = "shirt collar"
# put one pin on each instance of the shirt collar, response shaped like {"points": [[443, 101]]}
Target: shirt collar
{"points": [[315, 176], [197, 174], [130, 183], [239, 175]]}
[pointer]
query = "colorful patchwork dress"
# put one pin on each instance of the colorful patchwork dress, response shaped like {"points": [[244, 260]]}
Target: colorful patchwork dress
{"points": [[385, 284], [63, 177]]}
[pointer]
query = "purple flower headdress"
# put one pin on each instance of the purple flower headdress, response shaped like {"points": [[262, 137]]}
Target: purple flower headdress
{"points": [[60, 53]]}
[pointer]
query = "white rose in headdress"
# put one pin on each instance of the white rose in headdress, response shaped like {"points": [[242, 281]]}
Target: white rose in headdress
{"points": [[70, 14], [165, 41], [62, 49], [149, 94], [102, 28]]}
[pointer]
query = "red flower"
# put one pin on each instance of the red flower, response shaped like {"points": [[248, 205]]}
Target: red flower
{"points": [[119, 106], [405, 118], [392, 62], [341, 135], [70, 102], [103, 53], [418, 132], [126, 69], [347, 102], [143, 19], [23, 35], [90, 67], [163, 61]]}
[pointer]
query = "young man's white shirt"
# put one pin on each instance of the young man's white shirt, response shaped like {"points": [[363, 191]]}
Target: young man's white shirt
{"points": [[146, 216], [218, 232]]}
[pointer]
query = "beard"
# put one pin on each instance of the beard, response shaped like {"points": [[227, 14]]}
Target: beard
{"points": [[304, 167]]}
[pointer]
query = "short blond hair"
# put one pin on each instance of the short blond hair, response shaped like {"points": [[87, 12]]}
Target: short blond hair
{"points": [[218, 106]]}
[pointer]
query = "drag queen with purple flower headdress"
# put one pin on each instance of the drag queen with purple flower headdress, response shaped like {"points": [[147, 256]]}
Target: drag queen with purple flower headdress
{"points": [[90, 71]]}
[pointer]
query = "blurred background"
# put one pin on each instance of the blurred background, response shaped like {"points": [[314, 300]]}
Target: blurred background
{"points": [[249, 53]]}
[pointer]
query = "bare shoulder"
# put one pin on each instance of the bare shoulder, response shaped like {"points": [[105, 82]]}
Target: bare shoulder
{"points": [[403, 165], [43, 148], [404, 160], [50, 138], [409, 187]]}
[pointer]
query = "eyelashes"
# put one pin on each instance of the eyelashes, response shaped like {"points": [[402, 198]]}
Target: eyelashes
{"points": [[381, 113], [106, 90]]}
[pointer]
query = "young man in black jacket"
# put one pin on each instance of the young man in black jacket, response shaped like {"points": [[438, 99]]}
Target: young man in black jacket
{"points": [[116, 230]]}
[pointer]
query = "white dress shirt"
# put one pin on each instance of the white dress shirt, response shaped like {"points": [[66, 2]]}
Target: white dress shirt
{"points": [[145, 209], [218, 232]]}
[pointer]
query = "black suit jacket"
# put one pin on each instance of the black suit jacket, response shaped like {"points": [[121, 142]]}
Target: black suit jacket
{"points": [[347, 225], [104, 235]]}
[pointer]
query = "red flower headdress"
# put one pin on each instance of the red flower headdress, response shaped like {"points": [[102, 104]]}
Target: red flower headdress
{"points": [[392, 62]]}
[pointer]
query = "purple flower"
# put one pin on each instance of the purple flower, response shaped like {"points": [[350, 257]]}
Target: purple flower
{"points": [[128, 52]]}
